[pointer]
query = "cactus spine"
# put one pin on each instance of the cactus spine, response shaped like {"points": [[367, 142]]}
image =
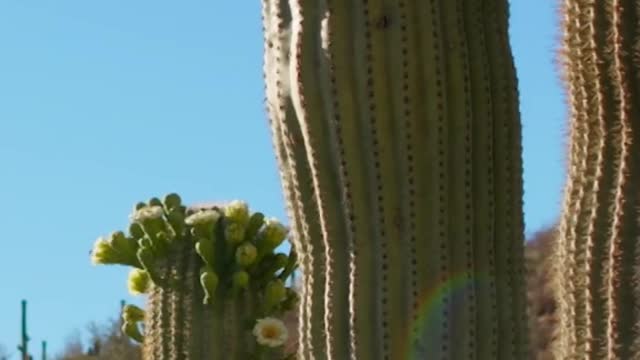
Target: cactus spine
{"points": [[597, 252], [397, 132], [215, 286]]}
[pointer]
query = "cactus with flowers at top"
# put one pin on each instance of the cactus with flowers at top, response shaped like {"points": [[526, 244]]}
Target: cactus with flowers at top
{"points": [[216, 285]]}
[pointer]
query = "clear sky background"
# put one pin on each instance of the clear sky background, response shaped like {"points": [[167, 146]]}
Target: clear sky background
{"points": [[105, 103]]}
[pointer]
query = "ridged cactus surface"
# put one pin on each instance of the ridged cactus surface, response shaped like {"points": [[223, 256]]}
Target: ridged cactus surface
{"points": [[398, 136], [597, 284], [216, 287]]}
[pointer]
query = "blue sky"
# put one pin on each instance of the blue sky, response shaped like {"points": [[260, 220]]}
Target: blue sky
{"points": [[105, 103]]}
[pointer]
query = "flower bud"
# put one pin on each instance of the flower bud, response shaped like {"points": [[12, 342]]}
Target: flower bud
{"points": [[132, 313], [209, 282], [147, 259], [246, 254], [234, 233], [240, 281], [154, 201], [121, 243], [292, 263], [272, 235], [138, 282], [136, 231], [274, 293], [172, 201], [255, 223], [104, 253], [237, 212], [206, 250], [131, 330]]}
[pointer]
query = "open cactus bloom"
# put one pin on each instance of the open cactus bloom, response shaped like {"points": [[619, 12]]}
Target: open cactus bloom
{"points": [[223, 255]]}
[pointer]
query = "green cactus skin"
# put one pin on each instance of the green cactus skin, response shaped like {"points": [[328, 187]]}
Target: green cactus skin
{"points": [[179, 326], [396, 128], [596, 256]]}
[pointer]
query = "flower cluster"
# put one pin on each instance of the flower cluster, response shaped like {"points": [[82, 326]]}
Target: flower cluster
{"points": [[236, 250]]}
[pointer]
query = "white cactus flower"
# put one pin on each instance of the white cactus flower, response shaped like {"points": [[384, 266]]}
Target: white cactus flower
{"points": [[202, 217], [270, 332], [147, 212]]}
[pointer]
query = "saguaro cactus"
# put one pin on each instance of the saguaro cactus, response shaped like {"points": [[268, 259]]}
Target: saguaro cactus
{"points": [[216, 288], [597, 256], [398, 136]]}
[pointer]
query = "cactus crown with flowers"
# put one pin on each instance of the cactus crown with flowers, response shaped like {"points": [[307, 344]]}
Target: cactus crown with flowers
{"points": [[234, 252]]}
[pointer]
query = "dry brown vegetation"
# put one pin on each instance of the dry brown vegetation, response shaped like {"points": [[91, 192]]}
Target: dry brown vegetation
{"points": [[542, 305]]}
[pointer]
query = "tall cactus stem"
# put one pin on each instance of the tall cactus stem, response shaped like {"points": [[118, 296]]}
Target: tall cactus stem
{"points": [[596, 254], [396, 128]]}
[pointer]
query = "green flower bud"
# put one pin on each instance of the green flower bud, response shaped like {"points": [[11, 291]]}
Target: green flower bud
{"points": [[138, 282], [237, 212], [209, 282], [131, 330], [120, 242], [206, 250], [292, 264], [233, 233], [280, 262], [147, 259], [136, 231], [246, 254], [272, 235], [139, 206], [132, 313], [104, 253], [154, 201], [255, 223], [172, 201], [240, 281], [269, 265], [176, 218], [274, 293]]}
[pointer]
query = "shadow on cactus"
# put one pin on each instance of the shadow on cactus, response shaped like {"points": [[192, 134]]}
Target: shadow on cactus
{"points": [[216, 285]]}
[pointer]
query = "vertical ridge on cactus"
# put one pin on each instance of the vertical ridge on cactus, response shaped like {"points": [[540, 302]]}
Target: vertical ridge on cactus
{"points": [[597, 252], [396, 128]]}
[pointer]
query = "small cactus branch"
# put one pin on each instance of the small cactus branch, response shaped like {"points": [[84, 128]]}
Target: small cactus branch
{"points": [[398, 123], [216, 285], [596, 254]]}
